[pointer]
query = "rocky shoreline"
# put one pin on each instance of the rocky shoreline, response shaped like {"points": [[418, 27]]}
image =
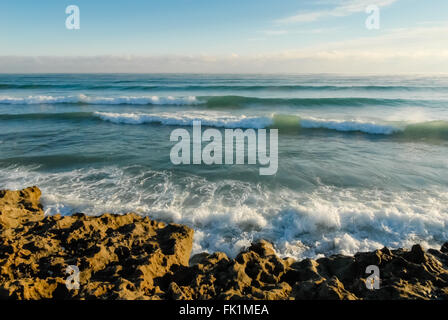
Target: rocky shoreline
{"points": [[132, 257]]}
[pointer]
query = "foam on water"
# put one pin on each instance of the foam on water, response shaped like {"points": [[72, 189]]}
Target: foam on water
{"points": [[231, 121], [216, 101], [81, 98], [349, 126], [229, 214], [437, 129], [408, 130], [220, 120]]}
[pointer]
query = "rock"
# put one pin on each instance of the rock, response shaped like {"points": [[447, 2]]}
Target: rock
{"points": [[132, 257], [263, 248], [444, 248], [199, 258], [340, 266], [386, 251], [253, 274], [333, 289], [302, 271], [178, 293], [417, 254], [20, 207], [31, 289], [119, 256]]}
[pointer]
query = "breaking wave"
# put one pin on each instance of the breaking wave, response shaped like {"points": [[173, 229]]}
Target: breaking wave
{"points": [[139, 86], [229, 214], [212, 101], [429, 129], [83, 99], [186, 119], [434, 129]]}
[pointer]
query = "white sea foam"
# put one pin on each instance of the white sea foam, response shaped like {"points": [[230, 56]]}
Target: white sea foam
{"points": [[81, 98], [212, 119], [226, 120], [228, 214], [349, 126]]}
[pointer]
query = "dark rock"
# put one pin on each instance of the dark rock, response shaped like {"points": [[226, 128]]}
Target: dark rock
{"points": [[444, 248]]}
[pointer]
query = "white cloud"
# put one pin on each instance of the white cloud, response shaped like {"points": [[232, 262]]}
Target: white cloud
{"points": [[341, 9], [275, 32], [299, 31], [421, 49]]}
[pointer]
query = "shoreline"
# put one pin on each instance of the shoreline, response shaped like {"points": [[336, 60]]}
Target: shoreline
{"points": [[132, 257]]}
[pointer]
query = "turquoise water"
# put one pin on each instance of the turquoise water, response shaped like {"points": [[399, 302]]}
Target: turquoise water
{"points": [[362, 160]]}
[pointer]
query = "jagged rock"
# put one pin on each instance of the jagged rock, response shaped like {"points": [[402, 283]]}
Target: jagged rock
{"points": [[302, 271], [333, 289], [417, 254], [263, 248], [132, 257], [20, 207], [119, 256]]}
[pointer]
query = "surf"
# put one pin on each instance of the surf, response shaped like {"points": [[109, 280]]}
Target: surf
{"points": [[282, 121], [99, 100], [214, 102]]}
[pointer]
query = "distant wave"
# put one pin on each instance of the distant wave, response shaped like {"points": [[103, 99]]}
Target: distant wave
{"points": [[348, 126], [28, 86], [430, 129], [434, 129], [48, 116], [274, 121], [240, 101], [131, 85], [286, 88], [209, 101], [223, 121], [83, 99]]}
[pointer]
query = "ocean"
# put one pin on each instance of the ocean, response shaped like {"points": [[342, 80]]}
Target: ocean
{"points": [[362, 159]]}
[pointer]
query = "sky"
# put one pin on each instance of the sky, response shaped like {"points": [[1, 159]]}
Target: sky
{"points": [[216, 36]]}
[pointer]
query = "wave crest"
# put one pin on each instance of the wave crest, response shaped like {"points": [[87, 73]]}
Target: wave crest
{"points": [[218, 102], [219, 121], [430, 129], [228, 121], [284, 122], [83, 99]]}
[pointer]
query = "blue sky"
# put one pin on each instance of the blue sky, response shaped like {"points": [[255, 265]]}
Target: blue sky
{"points": [[218, 36]]}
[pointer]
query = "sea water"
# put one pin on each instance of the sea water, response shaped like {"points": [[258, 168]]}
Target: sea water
{"points": [[362, 161]]}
